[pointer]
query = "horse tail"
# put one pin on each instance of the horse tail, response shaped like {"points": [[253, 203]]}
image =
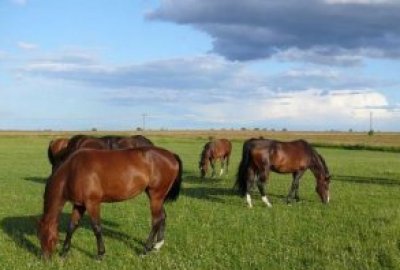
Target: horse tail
{"points": [[173, 193], [50, 153], [242, 176]]}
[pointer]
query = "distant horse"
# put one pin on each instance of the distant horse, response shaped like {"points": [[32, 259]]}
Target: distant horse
{"points": [[106, 142], [260, 156], [90, 177], [212, 151], [55, 147]]}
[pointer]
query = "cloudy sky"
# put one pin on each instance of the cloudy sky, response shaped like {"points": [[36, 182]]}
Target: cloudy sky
{"points": [[295, 64]]}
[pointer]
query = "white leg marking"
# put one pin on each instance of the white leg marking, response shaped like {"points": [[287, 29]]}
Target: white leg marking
{"points": [[265, 200], [221, 172], [328, 198], [248, 198], [158, 245]]}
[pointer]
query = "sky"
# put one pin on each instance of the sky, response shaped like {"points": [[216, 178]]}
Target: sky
{"points": [[200, 64]]}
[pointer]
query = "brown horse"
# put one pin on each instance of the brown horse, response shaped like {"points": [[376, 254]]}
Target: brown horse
{"points": [[106, 142], [260, 156], [56, 146], [89, 177], [212, 151]]}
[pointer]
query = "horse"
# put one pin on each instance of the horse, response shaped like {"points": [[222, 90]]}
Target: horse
{"points": [[260, 156], [90, 177], [217, 149], [55, 147], [106, 142]]}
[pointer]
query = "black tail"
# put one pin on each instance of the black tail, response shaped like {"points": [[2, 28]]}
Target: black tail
{"points": [[50, 154], [243, 176], [173, 193]]}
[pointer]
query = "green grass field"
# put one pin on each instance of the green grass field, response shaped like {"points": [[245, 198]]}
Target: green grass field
{"points": [[210, 227]]}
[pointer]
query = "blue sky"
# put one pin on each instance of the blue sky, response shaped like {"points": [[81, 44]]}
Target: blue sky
{"points": [[295, 64]]}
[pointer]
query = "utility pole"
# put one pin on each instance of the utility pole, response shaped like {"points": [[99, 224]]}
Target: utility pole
{"points": [[144, 115]]}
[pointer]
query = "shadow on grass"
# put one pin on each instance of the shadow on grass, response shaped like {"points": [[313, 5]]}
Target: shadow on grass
{"points": [[36, 179], [21, 228], [366, 180], [196, 179], [212, 194]]}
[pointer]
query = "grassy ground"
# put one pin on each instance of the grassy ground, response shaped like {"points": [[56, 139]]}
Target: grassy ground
{"points": [[210, 227]]}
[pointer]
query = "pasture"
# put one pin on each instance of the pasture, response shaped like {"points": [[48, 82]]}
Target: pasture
{"points": [[210, 227]]}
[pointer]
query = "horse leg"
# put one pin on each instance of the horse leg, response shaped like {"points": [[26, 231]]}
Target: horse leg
{"points": [[157, 221], [249, 185], [296, 194], [263, 177], [222, 166], [160, 234], [93, 210], [77, 213], [212, 163], [227, 164], [295, 187]]}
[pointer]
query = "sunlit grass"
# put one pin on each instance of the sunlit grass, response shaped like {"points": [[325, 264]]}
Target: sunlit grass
{"points": [[210, 227]]}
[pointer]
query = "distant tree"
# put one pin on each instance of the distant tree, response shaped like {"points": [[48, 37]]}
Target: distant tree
{"points": [[371, 132], [243, 129], [350, 130], [139, 129], [256, 129], [284, 129], [94, 129]]}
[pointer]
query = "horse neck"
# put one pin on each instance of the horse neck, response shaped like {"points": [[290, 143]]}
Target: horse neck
{"points": [[205, 155], [53, 200]]}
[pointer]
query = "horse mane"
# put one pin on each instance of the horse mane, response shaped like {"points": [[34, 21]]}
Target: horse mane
{"points": [[320, 162]]}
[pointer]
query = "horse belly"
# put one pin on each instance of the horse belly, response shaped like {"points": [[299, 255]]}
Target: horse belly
{"points": [[124, 190]]}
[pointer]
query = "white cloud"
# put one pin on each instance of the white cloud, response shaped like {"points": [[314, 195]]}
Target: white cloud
{"points": [[310, 105], [26, 46]]}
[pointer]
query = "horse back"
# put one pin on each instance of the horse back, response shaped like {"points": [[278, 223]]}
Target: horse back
{"points": [[117, 175], [290, 156]]}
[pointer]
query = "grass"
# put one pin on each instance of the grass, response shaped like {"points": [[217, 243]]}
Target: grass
{"points": [[210, 227]]}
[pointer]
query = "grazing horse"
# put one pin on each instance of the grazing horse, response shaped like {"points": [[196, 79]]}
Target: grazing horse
{"points": [[106, 142], [55, 148], [89, 177], [260, 156], [212, 151]]}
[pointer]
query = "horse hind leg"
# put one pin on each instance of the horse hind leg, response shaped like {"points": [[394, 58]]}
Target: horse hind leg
{"points": [[77, 213], [160, 233], [156, 236], [261, 187], [93, 210]]}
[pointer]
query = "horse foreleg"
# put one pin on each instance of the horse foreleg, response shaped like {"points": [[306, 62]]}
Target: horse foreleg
{"points": [[295, 187], [77, 213], [222, 166], [212, 163], [158, 226], [93, 210], [263, 177]]}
